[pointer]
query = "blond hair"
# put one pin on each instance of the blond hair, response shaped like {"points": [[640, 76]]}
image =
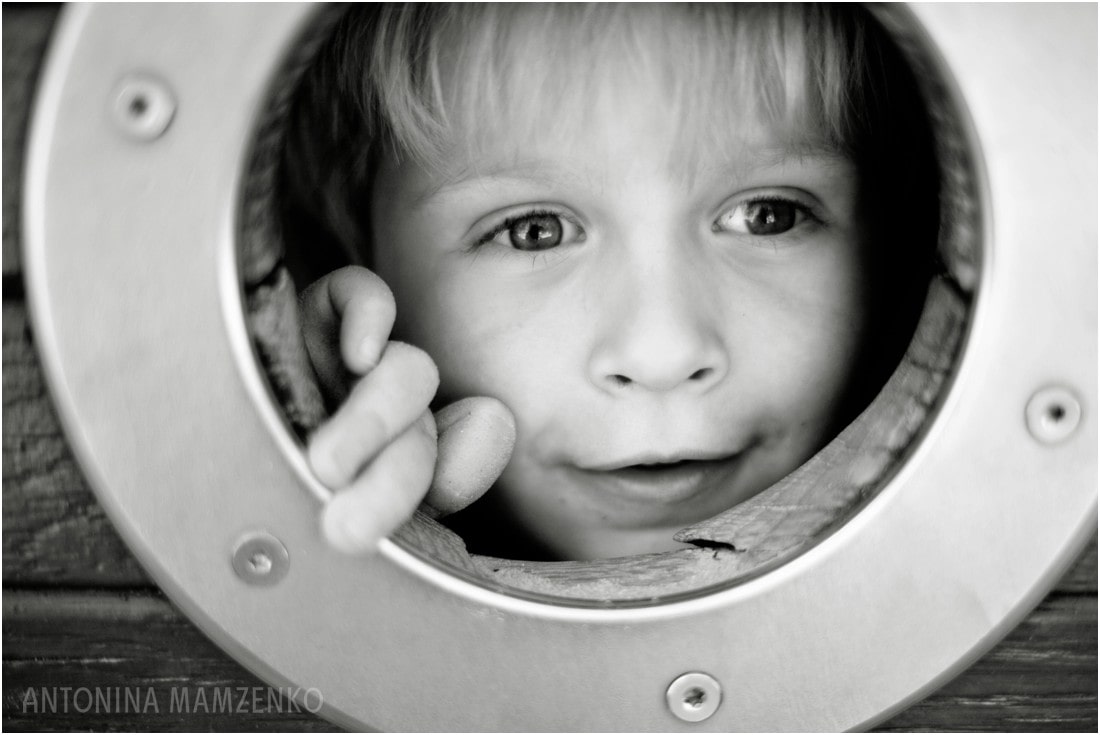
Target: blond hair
{"points": [[423, 78]]}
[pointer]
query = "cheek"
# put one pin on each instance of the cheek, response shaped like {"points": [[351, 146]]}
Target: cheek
{"points": [[486, 338], [808, 330]]}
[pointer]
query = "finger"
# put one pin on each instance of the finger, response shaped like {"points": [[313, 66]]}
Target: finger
{"points": [[347, 317], [364, 304], [380, 407], [320, 332], [385, 495], [476, 438]]}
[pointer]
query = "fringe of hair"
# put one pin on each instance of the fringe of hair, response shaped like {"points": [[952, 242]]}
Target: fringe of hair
{"points": [[419, 78]]}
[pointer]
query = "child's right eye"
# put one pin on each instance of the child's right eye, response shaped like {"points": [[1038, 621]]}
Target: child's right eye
{"points": [[534, 231]]}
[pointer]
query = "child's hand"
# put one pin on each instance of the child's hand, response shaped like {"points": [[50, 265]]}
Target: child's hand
{"points": [[379, 450]]}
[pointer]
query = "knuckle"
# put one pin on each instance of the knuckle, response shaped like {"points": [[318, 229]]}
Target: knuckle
{"points": [[383, 296], [361, 420], [363, 281], [406, 466], [376, 299], [328, 457]]}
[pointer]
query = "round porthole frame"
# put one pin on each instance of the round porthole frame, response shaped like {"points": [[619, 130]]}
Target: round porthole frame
{"points": [[134, 288]]}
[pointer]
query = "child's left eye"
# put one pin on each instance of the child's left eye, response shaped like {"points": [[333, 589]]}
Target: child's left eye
{"points": [[534, 231], [763, 217]]}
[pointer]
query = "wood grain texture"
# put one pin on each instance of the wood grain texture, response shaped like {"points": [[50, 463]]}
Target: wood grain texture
{"points": [[1042, 677], [26, 31], [79, 611], [132, 642], [787, 518], [55, 533]]}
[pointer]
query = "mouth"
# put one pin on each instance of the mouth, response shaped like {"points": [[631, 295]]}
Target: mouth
{"points": [[667, 479], [654, 461]]}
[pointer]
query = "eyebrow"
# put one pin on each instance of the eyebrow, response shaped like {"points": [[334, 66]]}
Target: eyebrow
{"points": [[537, 172], [779, 156], [547, 174]]}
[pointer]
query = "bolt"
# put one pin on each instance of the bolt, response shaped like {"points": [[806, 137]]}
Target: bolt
{"points": [[260, 563], [260, 559], [693, 697], [1053, 414], [143, 107]]}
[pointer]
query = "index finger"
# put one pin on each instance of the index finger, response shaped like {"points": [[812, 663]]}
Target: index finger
{"points": [[359, 306]]}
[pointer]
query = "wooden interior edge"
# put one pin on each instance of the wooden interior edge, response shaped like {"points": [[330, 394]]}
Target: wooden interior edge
{"points": [[767, 530], [795, 513]]}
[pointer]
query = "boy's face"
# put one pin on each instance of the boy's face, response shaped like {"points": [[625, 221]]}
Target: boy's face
{"points": [[671, 343]]}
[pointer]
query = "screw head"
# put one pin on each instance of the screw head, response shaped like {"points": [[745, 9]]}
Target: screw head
{"points": [[143, 107], [1053, 414], [693, 697], [260, 559]]}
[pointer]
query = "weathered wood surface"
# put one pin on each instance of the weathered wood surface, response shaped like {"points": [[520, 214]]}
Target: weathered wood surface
{"points": [[1042, 677], [55, 533], [79, 611], [787, 518], [62, 628], [132, 643], [54, 530], [26, 31]]}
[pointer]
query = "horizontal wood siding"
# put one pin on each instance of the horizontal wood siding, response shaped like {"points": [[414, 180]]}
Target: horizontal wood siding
{"points": [[78, 611]]}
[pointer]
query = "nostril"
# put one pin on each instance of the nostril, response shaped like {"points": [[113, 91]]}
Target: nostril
{"points": [[701, 373], [621, 380]]}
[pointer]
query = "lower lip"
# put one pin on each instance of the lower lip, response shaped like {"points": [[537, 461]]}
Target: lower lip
{"points": [[674, 484]]}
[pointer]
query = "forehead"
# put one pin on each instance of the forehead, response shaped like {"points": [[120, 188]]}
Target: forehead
{"points": [[695, 84]]}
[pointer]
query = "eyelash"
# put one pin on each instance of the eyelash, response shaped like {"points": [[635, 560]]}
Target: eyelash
{"points": [[510, 221], [507, 223], [806, 210]]}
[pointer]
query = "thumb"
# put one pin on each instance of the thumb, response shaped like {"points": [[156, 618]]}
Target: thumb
{"points": [[476, 437]]}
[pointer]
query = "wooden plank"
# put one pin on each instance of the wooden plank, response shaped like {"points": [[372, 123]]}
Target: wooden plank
{"points": [[26, 31], [55, 533], [127, 648], [785, 519], [765, 526], [1043, 676], [1081, 578]]}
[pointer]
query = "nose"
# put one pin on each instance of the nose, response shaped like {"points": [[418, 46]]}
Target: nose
{"points": [[659, 333]]}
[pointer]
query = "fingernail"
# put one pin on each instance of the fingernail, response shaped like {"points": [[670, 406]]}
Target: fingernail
{"points": [[451, 414]]}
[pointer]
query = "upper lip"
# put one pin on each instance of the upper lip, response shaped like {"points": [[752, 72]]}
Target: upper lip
{"points": [[661, 458]]}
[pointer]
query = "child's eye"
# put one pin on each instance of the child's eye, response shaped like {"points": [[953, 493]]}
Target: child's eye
{"points": [[533, 231], [763, 217]]}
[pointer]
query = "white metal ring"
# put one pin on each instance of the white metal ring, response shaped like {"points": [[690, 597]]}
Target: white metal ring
{"points": [[135, 294]]}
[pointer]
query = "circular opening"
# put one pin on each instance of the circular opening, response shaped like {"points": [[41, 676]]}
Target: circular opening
{"points": [[314, 183]]}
